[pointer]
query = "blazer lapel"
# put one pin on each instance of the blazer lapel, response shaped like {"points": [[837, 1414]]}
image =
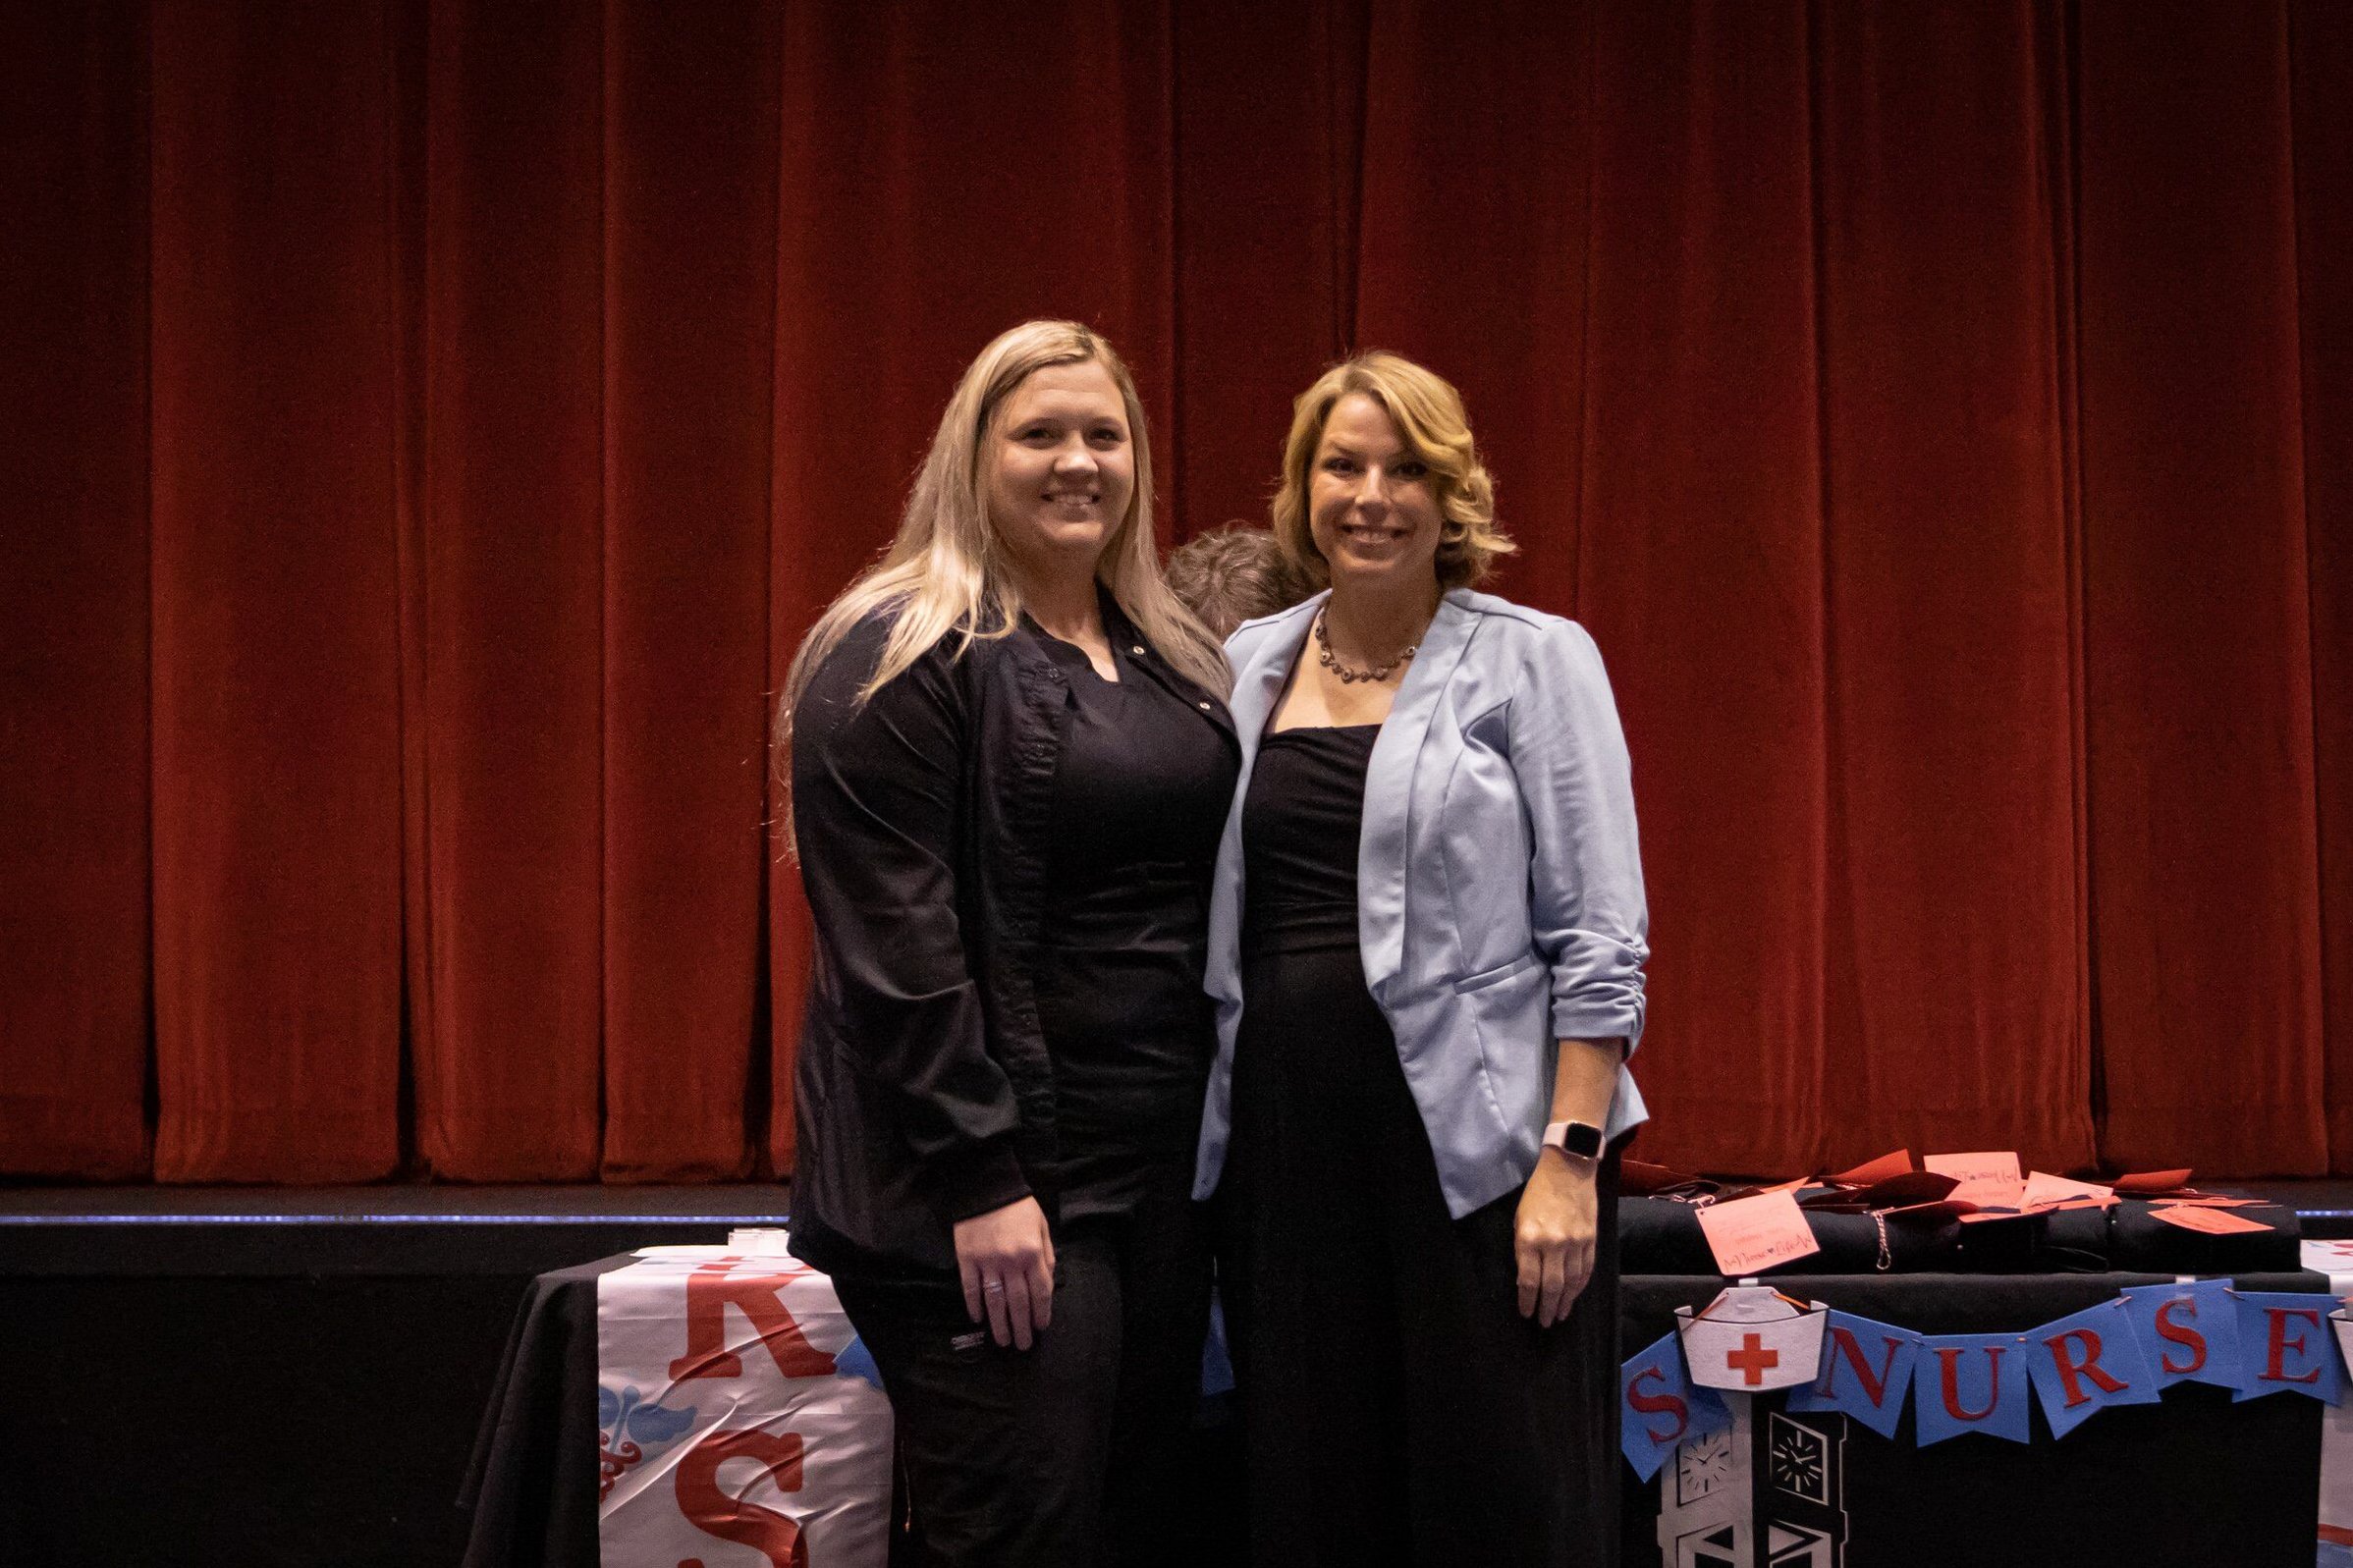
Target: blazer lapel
{"points": [[1389, 793], [1257, 687]]}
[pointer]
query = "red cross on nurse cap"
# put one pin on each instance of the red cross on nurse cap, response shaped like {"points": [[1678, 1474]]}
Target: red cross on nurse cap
{"points": [[1752, 1339]]}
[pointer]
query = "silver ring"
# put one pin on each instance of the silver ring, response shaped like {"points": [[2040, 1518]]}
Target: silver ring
{"points": [[996, 1285]]}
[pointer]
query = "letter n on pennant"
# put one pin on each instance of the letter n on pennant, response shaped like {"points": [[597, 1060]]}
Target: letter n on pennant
{"points": [[1866, 1372]]}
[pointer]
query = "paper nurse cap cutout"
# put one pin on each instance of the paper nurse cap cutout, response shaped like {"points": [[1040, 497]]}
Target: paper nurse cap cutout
{"points": [[1752, 1339]]}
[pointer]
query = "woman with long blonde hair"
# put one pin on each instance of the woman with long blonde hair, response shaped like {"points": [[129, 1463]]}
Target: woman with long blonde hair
{"points": [[1010, 764]]}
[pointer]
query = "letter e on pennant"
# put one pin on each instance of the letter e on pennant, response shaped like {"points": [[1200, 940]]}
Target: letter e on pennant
{"points": [[2278, 1345]]}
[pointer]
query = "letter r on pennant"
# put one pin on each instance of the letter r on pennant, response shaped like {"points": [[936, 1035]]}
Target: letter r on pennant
{"points": [[2073, 1372]]}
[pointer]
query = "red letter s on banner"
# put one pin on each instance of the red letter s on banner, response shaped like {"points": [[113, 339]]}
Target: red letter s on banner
{"points": [[716, 1512], [1656, 1404]]}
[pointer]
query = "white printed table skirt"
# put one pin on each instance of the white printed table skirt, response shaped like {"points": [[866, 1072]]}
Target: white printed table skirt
{"points": [[741, 1424]]}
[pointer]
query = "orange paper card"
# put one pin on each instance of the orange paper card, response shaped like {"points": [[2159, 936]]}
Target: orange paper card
{"points": [[1989, 1179], [2143, 1183], [1899, 1163], [2212, 1221], [1750, 1235], [2044, 1190]]}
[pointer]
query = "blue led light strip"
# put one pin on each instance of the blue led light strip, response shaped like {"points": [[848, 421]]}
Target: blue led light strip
{"points": [[395, 1219]]}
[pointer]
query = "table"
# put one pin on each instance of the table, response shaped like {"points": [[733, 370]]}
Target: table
{"points": [[2195, 1480]]}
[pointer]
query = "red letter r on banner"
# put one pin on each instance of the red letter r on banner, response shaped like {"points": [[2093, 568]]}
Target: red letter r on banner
{"points": [[709, 1290], [2072, 1373]]}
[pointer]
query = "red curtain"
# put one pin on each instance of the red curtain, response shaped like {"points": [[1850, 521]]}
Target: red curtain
{"points": [[428, 426]]}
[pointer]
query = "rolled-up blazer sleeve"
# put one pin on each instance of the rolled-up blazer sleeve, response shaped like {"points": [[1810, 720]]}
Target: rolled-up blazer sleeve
{"points": [[1585, 882], [875, 807]]}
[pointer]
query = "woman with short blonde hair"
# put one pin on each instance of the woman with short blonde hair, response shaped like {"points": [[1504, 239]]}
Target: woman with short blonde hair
{"points": [[1427, 412], [1426, 945], [1010, 765]]}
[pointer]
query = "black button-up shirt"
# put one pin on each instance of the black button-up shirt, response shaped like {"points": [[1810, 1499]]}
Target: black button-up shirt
{"points": [[926, 820]]}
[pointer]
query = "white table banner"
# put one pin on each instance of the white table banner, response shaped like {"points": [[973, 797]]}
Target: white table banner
{"points": [[741, 1424]]}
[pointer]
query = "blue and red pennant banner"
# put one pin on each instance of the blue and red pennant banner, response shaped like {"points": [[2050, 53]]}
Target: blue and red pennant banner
{"points": [[2285, 1346], [2125, 1351], [1970, 1383], [2190, 1330], [2085, 1363], [1663, 1408], [1866, 1367]]}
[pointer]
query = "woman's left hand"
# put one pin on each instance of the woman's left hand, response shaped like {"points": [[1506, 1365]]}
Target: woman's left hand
{"points": [[1552, 1238]]}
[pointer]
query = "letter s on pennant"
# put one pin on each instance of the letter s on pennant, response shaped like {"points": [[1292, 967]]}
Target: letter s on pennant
{"points": [[1658, 1404], [2180, 1334]]}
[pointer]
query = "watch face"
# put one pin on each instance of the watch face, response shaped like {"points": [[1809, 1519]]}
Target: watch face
{"points": [[1582, 1140]]}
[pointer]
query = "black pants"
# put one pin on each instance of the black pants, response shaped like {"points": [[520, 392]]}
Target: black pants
{"points": [[1396, 1408], [1068, 1454]]}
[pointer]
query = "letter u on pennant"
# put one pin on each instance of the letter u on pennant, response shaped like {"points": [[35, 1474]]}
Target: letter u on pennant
{"points": [[1969, 1382], [1948, 1382]]}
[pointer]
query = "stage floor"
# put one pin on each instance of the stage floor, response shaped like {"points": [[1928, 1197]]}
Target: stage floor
{"points": [[726, 1203], [432, 1228], [389, 1230]]}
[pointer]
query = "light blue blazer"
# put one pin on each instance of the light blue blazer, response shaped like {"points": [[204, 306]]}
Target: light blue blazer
{"points": [[1499, 887]]}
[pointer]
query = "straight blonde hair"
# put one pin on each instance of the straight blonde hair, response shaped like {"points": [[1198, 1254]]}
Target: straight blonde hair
{"points": [[945, 571]]}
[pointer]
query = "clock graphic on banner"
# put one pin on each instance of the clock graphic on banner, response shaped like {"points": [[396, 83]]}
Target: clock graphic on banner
{"points": [[1704, 1467]]}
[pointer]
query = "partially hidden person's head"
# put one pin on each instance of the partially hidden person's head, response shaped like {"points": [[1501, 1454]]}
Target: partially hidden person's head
{"points": [[1382, 482], [1233, 575], [1041, 463]]}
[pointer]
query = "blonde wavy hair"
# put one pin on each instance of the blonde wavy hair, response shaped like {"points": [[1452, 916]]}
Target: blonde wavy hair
{"points": [[945, 571], [1428, 413]]}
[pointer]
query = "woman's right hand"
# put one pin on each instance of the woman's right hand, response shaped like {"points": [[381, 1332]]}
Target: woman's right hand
{"points": [[1007, 1260]]}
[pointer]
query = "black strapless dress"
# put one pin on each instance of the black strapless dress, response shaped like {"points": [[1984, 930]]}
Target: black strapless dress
{"points": [[1396, 1408]]}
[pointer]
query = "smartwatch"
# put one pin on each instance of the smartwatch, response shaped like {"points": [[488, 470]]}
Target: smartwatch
{"points": [[1579, 1140]]}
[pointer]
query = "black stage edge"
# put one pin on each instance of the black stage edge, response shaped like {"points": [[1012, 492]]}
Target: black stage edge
{"points": [[277, 1375], [294, 1375]]}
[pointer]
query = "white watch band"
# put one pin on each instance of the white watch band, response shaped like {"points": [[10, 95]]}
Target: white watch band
{"points": [[1555, 1136]]}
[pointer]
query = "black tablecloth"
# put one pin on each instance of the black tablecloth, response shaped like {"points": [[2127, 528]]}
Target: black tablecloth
{"points": [[1661, 1236], [532, 1482], [2195, 1480]]}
